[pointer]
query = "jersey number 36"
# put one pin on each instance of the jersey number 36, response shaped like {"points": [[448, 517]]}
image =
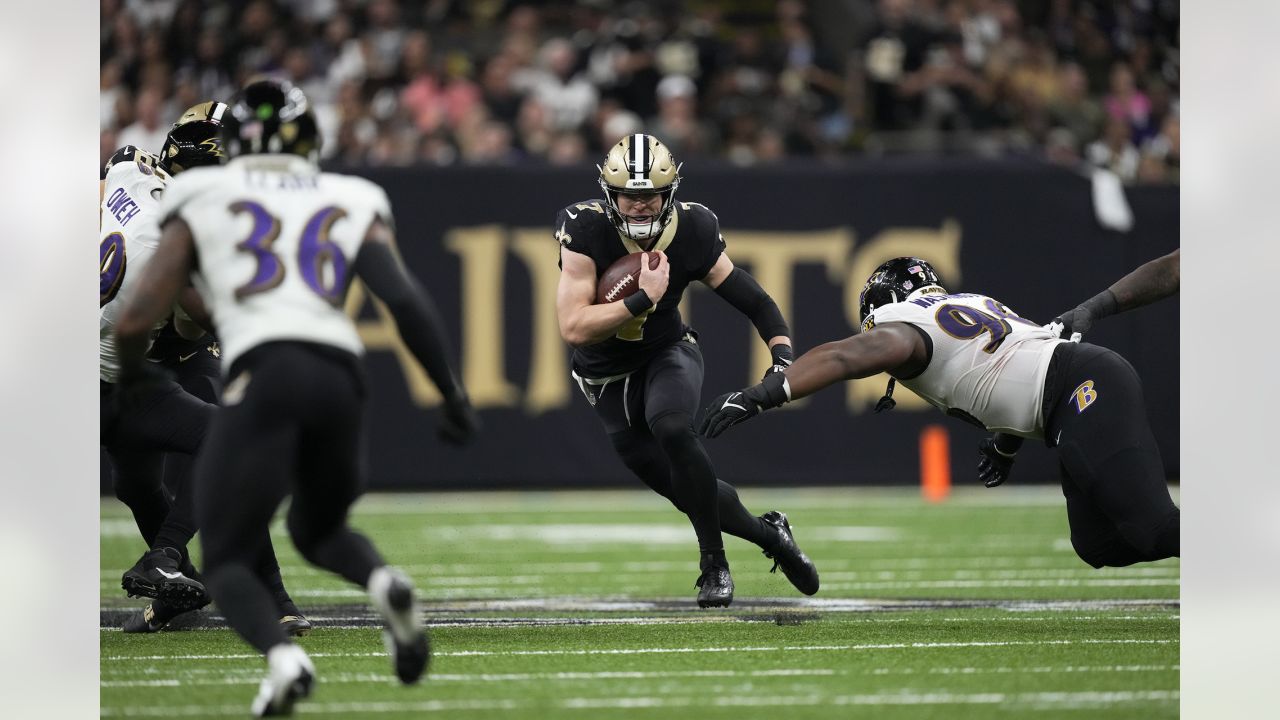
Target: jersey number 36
{"points": [[321, 262]]}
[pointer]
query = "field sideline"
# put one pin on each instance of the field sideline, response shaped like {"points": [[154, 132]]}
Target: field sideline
{"points": [[580, 604]]}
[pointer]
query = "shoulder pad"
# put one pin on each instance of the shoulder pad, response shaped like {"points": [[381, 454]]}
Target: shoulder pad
{"points": [[581, 222], [148, 164]]}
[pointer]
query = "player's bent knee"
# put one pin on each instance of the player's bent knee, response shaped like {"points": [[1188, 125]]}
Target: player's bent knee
{"points": [[674, 430]]}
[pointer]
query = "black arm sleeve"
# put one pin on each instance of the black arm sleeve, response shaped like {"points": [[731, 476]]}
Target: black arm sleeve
{"points": [[415, 313], [744, 293]]}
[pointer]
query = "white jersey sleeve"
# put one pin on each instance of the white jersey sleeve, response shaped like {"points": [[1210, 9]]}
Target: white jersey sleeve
{"points": [[129, 236], [986, 364], [276, 241]]}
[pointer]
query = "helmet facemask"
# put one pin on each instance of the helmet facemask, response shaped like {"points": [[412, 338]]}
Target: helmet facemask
{"points": [[646, 229]]}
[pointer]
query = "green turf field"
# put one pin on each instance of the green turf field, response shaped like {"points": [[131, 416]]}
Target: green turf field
{"points": [[581, 605]]}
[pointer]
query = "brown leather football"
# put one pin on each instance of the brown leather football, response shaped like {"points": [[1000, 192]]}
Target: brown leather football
{"points": [[622, 278]]}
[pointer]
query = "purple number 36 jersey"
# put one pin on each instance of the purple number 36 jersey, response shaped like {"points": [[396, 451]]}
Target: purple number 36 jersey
{"points": [[277, 241]]}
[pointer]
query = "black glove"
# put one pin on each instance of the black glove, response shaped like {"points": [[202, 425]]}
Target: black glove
{"points": [[461, 422], [993, 465], [1080, 319], [732, 408], [783, 356]]}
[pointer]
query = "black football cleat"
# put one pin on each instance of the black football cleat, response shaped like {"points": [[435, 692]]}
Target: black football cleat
{"points": [[157, 575], [392, 595], [715, 587], [797, 566], [295, 625], [154, 617]]}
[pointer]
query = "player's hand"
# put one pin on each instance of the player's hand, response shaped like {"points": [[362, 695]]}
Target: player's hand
{"points": [[783, 356], [1072, 324], [654, 282], [728, 410], [460, 423], [740, 406], [993, 465]]}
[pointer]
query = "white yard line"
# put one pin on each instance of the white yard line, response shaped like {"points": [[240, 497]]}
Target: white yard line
{"points": [[253, 679], [682, 650], [1040, 700]]}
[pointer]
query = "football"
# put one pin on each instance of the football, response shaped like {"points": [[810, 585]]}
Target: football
{"points": [[622, 278]]}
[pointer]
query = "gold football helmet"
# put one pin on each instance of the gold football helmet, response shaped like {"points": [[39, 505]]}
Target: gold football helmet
{"points": [[640, 165]]}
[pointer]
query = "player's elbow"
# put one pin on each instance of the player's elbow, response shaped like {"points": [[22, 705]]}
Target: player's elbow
{"points": [[131, 324], [574, 334]]}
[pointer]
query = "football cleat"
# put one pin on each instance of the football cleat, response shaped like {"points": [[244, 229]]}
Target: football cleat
{"points": [[290, 676], [157, 575], [392, 595], [797, 566], [295, 625], [154, 617], [715, 587]]}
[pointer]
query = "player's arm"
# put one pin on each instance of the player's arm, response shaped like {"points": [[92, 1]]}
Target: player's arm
{"points": [[894, 347], [419, 323], [1151, 281], [152, 297], [740, 289], [194, 313], [582, 322]]}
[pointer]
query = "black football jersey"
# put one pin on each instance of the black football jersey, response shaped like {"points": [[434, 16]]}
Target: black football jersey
{"points": [[692, 243]]}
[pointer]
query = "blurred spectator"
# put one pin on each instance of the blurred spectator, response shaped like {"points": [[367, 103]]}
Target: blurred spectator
{"points": [[1126, 102], [443, 82], [149, 130], [1072, 108], [1161, 154], [677, 121], [566, 96], [1114, 150]]}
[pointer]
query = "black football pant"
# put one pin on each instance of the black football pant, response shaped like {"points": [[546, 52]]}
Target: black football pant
{"points": [[135, 435], [291, 424], [1118, 501], [152, 442], [649, 418]]}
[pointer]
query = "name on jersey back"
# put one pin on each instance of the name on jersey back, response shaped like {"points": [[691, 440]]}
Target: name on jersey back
{"points": [[122, 206]]}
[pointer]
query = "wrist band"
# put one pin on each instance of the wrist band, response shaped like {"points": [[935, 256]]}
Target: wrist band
{"points": [[638, 302]]}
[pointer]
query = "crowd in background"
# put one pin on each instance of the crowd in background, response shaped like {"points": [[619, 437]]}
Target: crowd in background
{"points": [[749, 81]]}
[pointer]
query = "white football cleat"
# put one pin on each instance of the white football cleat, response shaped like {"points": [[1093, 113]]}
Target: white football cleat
{"points": [[290, 676], [393, 596]]}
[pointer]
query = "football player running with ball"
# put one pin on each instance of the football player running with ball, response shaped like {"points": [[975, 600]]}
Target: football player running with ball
{"points": [[274, 244], [639, 365], [975, 359]]}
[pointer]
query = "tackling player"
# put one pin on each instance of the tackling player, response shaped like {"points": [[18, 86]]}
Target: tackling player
{"points": [[975, 359], [274, 244], [639, 365], [138, 429]]}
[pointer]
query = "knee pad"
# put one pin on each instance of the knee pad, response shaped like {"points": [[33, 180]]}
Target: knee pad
{"points": [[674, 432]]}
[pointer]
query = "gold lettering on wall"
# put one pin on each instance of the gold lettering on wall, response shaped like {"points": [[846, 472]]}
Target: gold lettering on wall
{"points": [[549, 362], [772, 257], [483, 253], [381, 334]]}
